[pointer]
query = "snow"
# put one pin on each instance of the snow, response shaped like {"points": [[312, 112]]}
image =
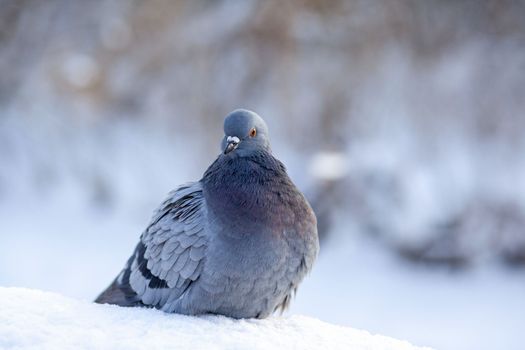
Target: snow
{"points": [[36, 319]]}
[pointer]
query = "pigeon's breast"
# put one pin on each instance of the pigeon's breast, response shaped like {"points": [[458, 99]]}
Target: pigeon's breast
{"points": [[263, 236], [248, 275]]}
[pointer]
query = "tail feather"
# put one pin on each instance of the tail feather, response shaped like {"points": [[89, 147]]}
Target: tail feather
{"points": [[119, 291]]}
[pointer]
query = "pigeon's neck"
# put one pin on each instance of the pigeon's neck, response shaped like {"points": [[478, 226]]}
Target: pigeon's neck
{"points": [[247, 193]]}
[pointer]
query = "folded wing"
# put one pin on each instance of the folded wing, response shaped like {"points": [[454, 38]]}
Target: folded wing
{"points": [[169, 256]]}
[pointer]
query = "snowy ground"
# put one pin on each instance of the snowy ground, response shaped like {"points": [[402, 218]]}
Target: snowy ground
{"points": [[35, 319], [75, 251]]}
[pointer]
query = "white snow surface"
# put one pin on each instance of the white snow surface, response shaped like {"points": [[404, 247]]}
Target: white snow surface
{"points": [[35, 319]]}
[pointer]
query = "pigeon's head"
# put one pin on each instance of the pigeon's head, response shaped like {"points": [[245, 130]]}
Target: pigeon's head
{"points": [[244, 133]]}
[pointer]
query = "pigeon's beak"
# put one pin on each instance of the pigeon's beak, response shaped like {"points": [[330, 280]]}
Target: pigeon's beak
{"points": [[232, 143]]}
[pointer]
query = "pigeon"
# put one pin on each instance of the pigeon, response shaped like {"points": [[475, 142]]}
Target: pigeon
{"points": [[236, 243]]}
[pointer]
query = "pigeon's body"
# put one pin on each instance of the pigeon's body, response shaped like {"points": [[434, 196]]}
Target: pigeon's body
{"points": [[236, 243]]}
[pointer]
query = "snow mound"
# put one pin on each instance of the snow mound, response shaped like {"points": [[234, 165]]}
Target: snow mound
{"points": [[36, 319]]}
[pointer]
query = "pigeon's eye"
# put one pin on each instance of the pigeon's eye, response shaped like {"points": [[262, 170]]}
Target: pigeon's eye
{"points": [[253, 132]]}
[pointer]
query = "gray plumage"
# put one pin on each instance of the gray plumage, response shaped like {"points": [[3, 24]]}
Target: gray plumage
{"points": [[237, 243]]}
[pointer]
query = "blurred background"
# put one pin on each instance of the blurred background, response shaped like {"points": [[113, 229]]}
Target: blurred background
{"points": [[402, 121]]}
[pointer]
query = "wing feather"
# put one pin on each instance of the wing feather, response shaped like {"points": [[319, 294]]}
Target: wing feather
{"points": [[172, 249]]}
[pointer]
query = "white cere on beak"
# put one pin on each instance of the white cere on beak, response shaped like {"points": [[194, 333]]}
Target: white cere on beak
{"points": [[233, 139]]}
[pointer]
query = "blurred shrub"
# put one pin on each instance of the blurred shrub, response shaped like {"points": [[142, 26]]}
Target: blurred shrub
{"points": [[422, 100]]}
